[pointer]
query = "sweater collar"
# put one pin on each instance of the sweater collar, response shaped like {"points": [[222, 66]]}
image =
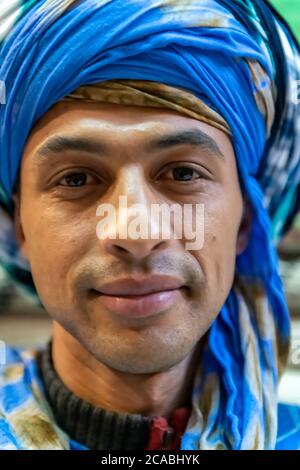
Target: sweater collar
{"points": [[100, 429]]}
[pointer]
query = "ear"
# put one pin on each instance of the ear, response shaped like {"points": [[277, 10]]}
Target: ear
{"points": [[245, 228], [18, 226]]}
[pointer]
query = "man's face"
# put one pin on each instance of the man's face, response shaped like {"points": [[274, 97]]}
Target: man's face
{"points": [[82, 155]]}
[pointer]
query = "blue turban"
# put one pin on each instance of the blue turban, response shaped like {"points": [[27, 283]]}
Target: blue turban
{"points": [[242, 61]]}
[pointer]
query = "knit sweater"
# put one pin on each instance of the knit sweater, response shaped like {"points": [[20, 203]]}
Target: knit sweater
{"points": [[101, 429]]}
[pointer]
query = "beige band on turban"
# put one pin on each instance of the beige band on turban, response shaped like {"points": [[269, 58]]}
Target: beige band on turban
{"points": [[149, 94]]}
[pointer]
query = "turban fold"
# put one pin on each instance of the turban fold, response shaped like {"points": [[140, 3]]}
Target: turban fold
{"points": [[149, 94], [241, 63]]}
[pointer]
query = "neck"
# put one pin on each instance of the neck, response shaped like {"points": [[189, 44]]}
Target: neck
{"points": [[147, 394]]}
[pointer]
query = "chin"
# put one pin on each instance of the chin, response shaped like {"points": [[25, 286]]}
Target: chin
{"points": [[127, 360]]}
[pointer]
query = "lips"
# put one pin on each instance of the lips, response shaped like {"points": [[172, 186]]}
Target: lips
{"points": [[136, 298], [131, 286]]}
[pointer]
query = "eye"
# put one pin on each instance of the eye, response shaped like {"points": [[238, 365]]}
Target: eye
{"points": [[76, 179], [181, 173]]}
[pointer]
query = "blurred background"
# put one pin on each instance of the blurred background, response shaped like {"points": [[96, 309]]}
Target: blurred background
{"points": [[290, 10], [22, 323]]}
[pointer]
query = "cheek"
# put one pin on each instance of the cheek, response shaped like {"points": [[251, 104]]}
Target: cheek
{"points": [[218, 255], [55, 243]]}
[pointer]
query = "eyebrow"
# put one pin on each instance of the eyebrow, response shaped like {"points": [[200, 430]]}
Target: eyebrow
{"points": [[188, 137], [60, 144]]}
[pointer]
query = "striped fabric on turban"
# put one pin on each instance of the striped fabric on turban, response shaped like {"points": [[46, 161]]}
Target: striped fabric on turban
{"points": [[237, 61]]}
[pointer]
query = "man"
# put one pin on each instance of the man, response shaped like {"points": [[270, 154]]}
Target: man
{"points": [[155, 345]]}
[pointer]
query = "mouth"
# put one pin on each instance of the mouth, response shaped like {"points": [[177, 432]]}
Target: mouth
{"points": [[134, 298]]}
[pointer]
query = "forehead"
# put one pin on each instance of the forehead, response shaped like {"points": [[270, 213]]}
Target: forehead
{"points": [[85, 114], [114, 123]]}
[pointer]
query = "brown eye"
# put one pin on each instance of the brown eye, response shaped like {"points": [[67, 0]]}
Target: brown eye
{"points": [[75, 180], [182, 173]]}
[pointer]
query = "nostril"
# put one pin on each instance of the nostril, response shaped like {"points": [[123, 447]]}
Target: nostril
{"points": [[158, 245], [120, 249]]}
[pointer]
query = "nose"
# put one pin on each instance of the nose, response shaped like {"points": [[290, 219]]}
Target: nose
{"points": [[132, 231], [136, 249]]}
